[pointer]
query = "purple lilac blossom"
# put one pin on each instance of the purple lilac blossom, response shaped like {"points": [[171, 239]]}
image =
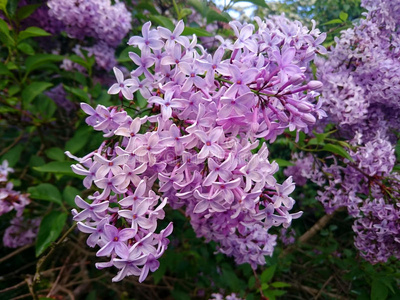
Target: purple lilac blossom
{"points": [[367, 188], [106, 22], [9, 198], [361, 76], [218, 296], [362, 98], [195, 151], [21, 232]]}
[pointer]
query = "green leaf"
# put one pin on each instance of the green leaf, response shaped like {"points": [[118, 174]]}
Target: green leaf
{"points": [[196, 31], [33, 90], [80, 61], [49, 230], [283, 163], [279, 284], [321, 136], [163, 21], [256, 2], [55, 154], [200, 6], [179, 295], [13, 155], [252, 282], [212, 16], [4, 26], [58, 167], [334, 21], [45, 191], [336, 149], [146, 5], [13, 90], [124, 55], [12, 7], [5, 34], [4, 70], [268, 273], [36, 61], [26, 48], [32, 32], [26, 11], [79, 140], [82, 95], [185, 12], [69, 195], [343, 16], [379, 291], [43, 107], [3, 5], [230, 278]]}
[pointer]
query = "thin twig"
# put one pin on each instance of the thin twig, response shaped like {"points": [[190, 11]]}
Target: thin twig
{"points": [[5, 150], [57, 279], [323, 287], [19, 250], [13, 287], [30, 284], [321, 223]]}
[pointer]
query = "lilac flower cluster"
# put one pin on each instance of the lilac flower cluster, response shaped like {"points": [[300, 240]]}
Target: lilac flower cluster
{"points": [[361, 79], [99, 19], [368, 189], [10, 199], [21, 232], [361, 96], [40, 18], [218, 296], [195, 150], [287, 237], [107, 23]]}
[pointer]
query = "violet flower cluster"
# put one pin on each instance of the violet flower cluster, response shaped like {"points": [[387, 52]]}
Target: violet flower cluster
{"points": [[107, 23], [196, 150], [361, 76], [22, 231], [218, 296], [368, 188], [10, 199], [362, 98]]}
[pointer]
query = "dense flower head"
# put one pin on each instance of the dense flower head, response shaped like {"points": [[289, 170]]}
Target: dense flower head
{"points": [[9, 198], [196, 150], [362, 98], [98, 19], [378, 231], [21, 232], [361, 76], [367, 187]]}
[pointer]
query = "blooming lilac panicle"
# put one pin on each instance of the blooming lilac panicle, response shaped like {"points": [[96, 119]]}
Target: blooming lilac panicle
{"points": [[106, 22], [9, 198], [195, 150], [362, 98], [361, 75], [21, 232], [368, 189]]}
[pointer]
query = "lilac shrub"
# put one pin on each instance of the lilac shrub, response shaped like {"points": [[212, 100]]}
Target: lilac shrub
{"points": [[197, 150]]}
